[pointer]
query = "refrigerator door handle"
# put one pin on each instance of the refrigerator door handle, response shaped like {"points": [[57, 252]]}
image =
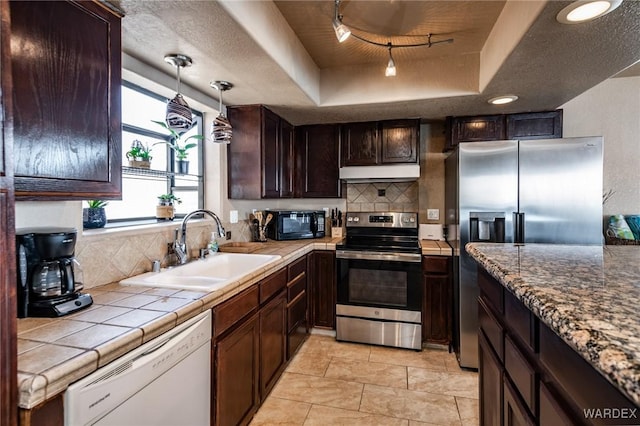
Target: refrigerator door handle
{"points": [[518, 228]]}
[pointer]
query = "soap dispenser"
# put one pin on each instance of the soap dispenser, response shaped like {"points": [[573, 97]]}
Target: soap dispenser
{"points": [[213, 243]]}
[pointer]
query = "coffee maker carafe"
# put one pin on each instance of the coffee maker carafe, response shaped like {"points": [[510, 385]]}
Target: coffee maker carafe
{"points": [[49, 277]]}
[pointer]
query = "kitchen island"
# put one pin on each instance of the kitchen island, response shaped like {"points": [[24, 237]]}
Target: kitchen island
{"points": [[587, 296]]}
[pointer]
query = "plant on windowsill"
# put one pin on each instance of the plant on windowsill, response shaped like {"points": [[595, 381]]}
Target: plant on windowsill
{"points": [[94, 216], [139, 155], [180, 147], [165, 209]]}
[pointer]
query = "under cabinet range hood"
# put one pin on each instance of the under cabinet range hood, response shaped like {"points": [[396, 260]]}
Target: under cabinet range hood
{"points": [[386, 173]]}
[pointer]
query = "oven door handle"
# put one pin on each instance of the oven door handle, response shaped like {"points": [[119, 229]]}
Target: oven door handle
{"points": [[391, 257]]}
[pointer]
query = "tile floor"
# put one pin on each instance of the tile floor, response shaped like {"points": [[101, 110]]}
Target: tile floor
{"points": [[335, 383]]}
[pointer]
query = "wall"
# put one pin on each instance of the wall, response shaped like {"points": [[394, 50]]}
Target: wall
{"points": [[612, 110]]}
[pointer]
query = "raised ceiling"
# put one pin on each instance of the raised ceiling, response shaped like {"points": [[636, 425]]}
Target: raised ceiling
{"points": [[284, 54]]}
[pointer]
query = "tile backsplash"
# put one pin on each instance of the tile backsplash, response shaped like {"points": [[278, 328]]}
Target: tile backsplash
{"points": [[108, 256], [383, 197]]}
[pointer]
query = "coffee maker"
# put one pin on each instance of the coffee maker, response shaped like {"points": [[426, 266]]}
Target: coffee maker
{"points": [[48, 275]]}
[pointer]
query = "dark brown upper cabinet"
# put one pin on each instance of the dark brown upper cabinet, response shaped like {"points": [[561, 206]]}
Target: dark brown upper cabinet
{"points": [[260, 157], [530, 125], [317, 173], [66, 67], [380, 142]]}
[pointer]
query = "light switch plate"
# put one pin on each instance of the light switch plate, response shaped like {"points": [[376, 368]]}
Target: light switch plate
{"points": [[233, 216], [433, 214]]}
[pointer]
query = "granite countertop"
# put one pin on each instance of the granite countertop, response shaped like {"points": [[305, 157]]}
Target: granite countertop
{"points": [[55, 352], [589, 295]]}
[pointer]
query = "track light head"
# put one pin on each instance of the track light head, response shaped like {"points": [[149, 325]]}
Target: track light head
{"points": [[391, 65], [342, 31]]}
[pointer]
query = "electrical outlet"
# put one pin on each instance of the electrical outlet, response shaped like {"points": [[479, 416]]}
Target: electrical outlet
{"points": [[433, 214], [228, 235], [233, 216]]}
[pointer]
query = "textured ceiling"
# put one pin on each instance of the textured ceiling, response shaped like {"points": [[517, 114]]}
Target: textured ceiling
{"points": [[548, 65]]}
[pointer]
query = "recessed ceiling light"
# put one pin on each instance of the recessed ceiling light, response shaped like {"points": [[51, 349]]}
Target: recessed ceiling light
{"points": [[501, 100], [583, 11]]}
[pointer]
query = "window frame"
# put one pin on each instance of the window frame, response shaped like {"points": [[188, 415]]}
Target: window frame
{"points": [[169, 174]]}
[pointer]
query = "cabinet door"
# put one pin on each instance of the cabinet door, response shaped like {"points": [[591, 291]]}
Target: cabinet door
{"points": [[400, 141], [323, 289], [236, 375], [360, 144], [436, 309], [317, 161], [66, 70], [515, 414], [475, 129], [273, 340], [535, 125], [437, 299], [287, 168], [8, 354], [270, 154], [490, 384]]}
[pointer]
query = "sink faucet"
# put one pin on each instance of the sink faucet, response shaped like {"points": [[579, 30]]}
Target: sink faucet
{"points": [[179, 246]]}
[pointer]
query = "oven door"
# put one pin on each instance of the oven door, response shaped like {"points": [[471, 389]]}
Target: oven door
{"points": [[379, 280]]}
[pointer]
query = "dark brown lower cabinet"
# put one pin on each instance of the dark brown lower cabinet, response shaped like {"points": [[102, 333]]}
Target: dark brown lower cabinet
{"points": [[273, 340], [490, 383], [437, 299], [529, 375], [322, 273], [236, 370], [297, 299]]}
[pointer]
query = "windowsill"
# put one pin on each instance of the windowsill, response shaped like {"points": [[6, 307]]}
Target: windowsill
{"points": [[141, 227]]}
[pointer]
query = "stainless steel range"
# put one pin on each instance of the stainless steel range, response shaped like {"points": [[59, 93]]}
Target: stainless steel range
{"points": [[379, 280]]}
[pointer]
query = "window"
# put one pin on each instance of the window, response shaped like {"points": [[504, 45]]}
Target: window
{"points": [[140, 186]]}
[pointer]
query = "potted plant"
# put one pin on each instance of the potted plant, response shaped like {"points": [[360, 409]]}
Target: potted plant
{"points": [[139, 155], [165, 209], [180, 147], [94, 216]]}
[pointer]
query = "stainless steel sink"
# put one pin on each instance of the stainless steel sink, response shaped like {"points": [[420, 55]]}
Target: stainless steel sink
{"points": [[210, 274]]}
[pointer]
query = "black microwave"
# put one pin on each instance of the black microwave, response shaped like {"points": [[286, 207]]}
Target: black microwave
{"points": [[296, 225]]}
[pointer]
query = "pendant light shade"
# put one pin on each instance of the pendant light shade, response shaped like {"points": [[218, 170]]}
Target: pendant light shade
{"points": [[221, 130], [179, 117]]}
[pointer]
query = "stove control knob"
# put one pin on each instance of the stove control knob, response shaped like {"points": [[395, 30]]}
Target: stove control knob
{"points": [[356, 219], [350, 219], [412, 219]]}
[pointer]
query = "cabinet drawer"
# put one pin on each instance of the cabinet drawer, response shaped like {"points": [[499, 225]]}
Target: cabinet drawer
{"points": [[435, 264], [551, 409], [297, 311], [515, 413], [296, 268], [491, 328], [491, 291], [233, 310], [272, 285], [520, 319], [521, 373], [297, 286]]}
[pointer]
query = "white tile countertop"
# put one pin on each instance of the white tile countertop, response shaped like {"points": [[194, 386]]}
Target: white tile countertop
{"points": [[588, 295], [54, 352]]}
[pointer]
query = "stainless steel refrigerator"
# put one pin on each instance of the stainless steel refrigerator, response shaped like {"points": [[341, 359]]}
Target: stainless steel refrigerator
{"points": [[531, 191]]}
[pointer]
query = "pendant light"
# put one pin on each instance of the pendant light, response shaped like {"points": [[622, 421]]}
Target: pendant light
{"points": [[221, 130], [178, 117]]}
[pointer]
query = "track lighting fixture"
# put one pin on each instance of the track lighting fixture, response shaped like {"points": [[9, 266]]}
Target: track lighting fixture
{"points": [[391, 66], [179, 117], [343, 32], [221, 130]]}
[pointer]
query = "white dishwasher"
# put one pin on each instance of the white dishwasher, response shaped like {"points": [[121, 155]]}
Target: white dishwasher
{"points": [[166, 381]]}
